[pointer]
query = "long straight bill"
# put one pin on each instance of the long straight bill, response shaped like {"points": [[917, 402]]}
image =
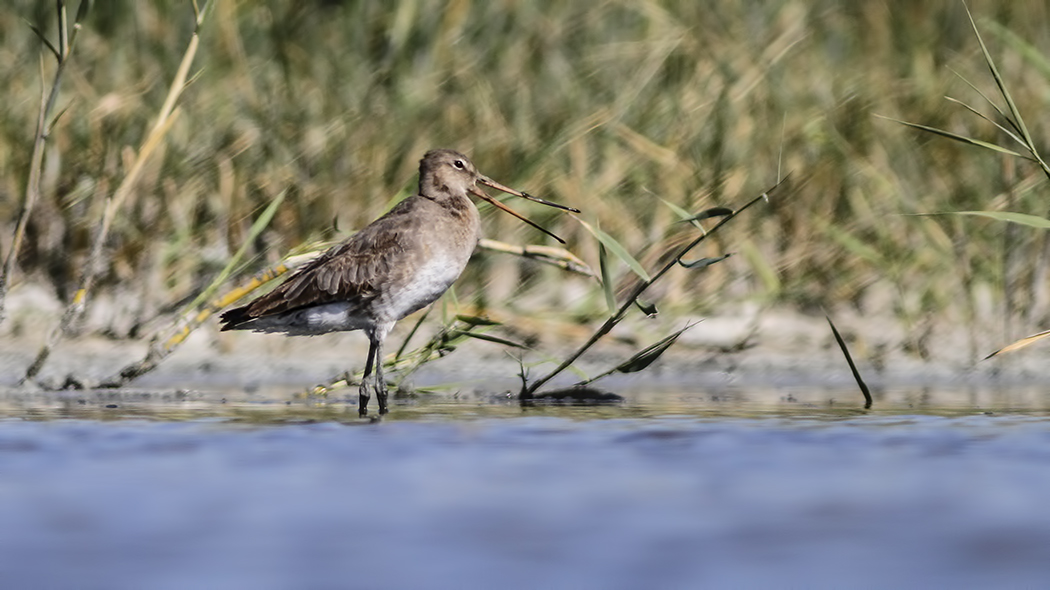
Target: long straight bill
{"points": [[492, 183], [499, 205]]}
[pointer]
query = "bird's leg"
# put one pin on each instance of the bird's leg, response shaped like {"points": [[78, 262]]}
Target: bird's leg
{"points": [[381, 393], [362, 392]]}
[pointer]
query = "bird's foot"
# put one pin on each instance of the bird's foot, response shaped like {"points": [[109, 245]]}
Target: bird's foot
{"points": [[362, 401]]}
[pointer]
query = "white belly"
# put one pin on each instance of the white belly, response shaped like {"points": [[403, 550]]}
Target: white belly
{"points": [[427, 285]]}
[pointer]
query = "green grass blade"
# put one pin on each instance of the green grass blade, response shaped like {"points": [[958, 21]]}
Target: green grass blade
{"points": [[491, 338], [982, 95], [1008, 216], [415, 328], [854, 245], [703, 262], [607, 280], [1016, 114], [712, 212], [1028, 51], [260, 224], [695, 219], [618, 250], [960, 138], [82, 11], [54, 120], [40, 35], [646, 307], [647, 356], [1011, 217], [1012, 135], [681, 213], [473, 320]]}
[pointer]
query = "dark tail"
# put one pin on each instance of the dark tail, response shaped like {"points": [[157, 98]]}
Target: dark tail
{"points": [[235, 319]]}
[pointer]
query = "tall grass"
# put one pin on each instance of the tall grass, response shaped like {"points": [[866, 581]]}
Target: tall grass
{"points": [[609, 107], [65, 35]]}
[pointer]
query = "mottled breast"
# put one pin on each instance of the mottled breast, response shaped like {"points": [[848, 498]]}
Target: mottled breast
{"points": [[442, 244]]}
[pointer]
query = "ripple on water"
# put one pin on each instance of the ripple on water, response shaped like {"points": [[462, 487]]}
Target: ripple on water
{"points": [[870, 501]]}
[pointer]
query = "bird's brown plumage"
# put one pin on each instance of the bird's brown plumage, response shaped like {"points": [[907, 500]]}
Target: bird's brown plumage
{"points": [[399, 263], [386, 255]]}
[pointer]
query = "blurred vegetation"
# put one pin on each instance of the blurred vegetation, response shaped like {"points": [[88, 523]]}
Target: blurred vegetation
{"points": [[609, 107]]}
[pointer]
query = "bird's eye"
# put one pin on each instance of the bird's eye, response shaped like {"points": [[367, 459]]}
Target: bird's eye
{"points": [[459, 164]]}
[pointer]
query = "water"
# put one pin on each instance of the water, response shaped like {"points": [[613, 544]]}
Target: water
{"points": [[173, 491]]}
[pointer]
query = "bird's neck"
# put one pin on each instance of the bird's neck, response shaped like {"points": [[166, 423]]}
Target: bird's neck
{"points": [[458, 206]]}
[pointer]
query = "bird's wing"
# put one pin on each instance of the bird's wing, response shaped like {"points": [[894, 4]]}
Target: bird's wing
{"points": [[354, 271]]}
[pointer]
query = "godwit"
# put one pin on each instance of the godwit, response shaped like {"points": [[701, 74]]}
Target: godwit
{"points": [[396, 265]]}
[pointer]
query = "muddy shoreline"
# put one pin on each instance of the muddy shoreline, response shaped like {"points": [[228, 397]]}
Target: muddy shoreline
{"points": [[740, 346], [781, 351]]}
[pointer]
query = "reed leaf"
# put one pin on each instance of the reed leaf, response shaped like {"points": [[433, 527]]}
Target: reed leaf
{"points": [[473, 320], [261, 223], [607, 279], [1008, 216], [960, 138], [43, 39], [1019, 344], [491, 338], [710, 213], [980, 93], [1009, 133], [617, 249], [641, 359], [703, 262], [408, 338], [647, 356], [681, 213], [1016, 119], [1029, 52]]}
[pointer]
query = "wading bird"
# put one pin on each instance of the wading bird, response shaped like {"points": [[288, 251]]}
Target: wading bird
{"points": [[396, 265]]}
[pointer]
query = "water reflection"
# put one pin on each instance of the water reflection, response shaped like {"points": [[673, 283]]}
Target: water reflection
{"points": [[278, 406], [777, 488]]}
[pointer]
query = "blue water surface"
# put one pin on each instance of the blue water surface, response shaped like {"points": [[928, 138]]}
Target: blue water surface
{"points": [[528, 500]]}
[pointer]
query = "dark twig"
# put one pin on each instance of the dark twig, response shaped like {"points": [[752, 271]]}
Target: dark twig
{"points": [[727, 216], [852, 366]]}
